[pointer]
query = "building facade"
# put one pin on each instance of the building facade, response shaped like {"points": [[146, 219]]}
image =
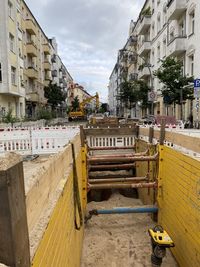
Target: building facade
{"points": [[27, 61], [164, 28], [77, 90]]}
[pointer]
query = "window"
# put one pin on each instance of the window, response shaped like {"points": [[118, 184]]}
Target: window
{"points": [[158, 52], [153, 30], [164, 13], [171, 35], [12, 42], [164, 47], [158, 23], [153, 57], [13, 75], [0, 73], [192, 22], [191, 65], [10, 9], [182, 28]]}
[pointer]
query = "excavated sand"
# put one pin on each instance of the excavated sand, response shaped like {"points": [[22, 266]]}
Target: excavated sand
{"points": [[119, 240], [9, 159]]}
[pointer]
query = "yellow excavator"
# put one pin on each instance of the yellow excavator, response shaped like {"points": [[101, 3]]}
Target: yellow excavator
{"points": [[81, 113]]}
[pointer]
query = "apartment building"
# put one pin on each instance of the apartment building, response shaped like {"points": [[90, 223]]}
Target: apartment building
{"points": [[27, 61], [165, 28], [60, 74], [12, 90]]}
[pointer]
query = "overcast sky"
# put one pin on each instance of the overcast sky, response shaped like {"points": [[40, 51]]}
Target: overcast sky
{"points": [[89, 33]]}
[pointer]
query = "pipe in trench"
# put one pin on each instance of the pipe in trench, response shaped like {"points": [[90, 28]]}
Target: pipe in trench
{"points": [[122, 185], [111, 167], [94, 160], [148, 209], [110, 180]]}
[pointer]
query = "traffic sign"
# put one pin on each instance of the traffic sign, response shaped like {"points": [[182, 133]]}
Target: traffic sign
{"points": [[197, 92], [152, 96], [197, 83]]}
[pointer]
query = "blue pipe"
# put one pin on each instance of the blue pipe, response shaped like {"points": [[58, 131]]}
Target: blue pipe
{"points": [[148, 209]]}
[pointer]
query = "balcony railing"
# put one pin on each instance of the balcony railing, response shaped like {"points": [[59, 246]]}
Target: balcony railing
{"points": [[177, 46], [32, 73], [144, 73], [48, 76], [47, 49], [176, 8], [133, 77], [47, 65], [145, 24], [145, 48], [54, 73], [30, 26], [31, 49], [133, 40], [132, 58], [33, 97]]}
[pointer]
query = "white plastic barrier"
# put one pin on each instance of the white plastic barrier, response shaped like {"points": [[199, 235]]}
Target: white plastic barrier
{"points": [[108, 141], [28, 141]]}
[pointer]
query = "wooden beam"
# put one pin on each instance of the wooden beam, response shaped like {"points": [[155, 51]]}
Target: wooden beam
{"points": [[110, 131], [110, 148], [14, 238]]}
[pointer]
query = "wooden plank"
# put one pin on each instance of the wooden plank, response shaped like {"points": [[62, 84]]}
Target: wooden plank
{"points": [[14, 240], [110, 131]]}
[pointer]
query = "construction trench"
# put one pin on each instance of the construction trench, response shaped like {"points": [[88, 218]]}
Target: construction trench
{"points": [[97, 202]]}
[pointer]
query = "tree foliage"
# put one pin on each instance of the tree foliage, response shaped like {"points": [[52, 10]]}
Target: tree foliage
{"points": [[133, 92], [75, 104], [54, 95], [171, 75]]}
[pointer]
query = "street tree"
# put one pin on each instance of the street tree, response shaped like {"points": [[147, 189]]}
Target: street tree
{"points": [[54, 94], [75, 104], [170, 74], [133, 92]]}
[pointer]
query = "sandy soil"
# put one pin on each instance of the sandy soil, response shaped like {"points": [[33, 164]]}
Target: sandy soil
{"points": [[119, 240]]}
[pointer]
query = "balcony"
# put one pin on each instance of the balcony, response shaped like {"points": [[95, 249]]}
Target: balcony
{"points": [[47, 65], [30, 26], [31, 49], [32, 73], [133, 77], [132, 59], [19, 34], [21, 62], [145, 24], [61, 80], [53, 59], [144, 73], [54, 73], [145, 48], [177, 46], [48, 76], [132, 40], [33, 97], [176, 9], [47, 49]]}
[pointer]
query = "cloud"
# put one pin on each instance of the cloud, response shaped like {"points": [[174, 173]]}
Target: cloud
{"points": [[89, 34]]}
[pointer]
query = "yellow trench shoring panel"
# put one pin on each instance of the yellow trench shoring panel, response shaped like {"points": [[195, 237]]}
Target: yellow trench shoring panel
{"points": [[61, 245], [179, 204]]}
